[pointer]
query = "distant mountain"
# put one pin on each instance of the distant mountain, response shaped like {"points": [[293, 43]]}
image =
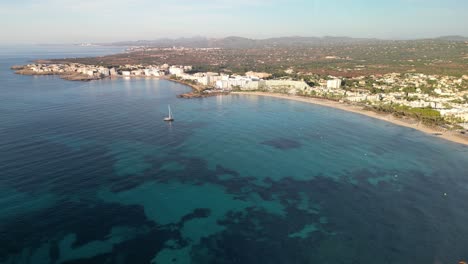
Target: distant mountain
{"points": [[241, 42], [453, 38], [235, 42], [164, 42], [311, 41]]}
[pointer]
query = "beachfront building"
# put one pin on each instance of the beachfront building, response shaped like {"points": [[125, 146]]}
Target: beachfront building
{"points": [[177, 71], [155, 72], [103, 71], [137, 72], [258, 75], [209, 78], [286, 86], [239, 82], [334, 84], [113, 72], [461, 113]]}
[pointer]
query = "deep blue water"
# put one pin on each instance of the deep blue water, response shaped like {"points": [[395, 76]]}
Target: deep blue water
{"points": [[89, 173]]}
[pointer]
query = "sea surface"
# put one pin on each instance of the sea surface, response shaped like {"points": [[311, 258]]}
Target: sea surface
{"points": [[89, 173]]}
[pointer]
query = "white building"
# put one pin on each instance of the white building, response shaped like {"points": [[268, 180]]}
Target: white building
{"points": [[242, 82], [209, 79], [156, 72], [334, 84], [455, 112], [113, 72], [104, 71], [137, 72], [288, 86], [176, 71]]}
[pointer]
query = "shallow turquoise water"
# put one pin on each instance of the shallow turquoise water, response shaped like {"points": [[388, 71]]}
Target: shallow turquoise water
{"points": [[89, 173]]}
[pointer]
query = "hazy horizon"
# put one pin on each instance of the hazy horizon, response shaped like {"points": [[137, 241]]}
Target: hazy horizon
{"points": [[54, 21], [9, 44]]}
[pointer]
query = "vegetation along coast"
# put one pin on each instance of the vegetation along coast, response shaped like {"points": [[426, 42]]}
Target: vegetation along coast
{"points": [[408, 122], [402, 82]]}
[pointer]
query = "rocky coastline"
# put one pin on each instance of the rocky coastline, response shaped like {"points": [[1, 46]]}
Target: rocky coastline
{"points": [[70, 76], [198, 91]]}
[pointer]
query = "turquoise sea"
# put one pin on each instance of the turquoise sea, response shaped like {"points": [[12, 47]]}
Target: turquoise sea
{"points": [[89, 173]]}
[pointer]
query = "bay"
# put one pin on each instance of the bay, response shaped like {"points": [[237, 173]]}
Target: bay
{"points": [[89, 173]]}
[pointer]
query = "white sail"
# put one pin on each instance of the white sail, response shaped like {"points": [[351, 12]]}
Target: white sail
{"points": [[170, 112], [169, 118]]}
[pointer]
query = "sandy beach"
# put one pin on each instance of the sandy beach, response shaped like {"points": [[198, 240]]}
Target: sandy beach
{"points": [[439, 133]]}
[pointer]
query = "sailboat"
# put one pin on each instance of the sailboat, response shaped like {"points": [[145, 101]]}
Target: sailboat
{"points": [[169, 118]]}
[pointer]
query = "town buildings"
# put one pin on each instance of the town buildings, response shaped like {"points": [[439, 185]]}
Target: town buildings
{"points": [[334, 84], [446, 94]]}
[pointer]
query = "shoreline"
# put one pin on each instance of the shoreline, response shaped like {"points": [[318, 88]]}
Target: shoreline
{"points": [[197, 93], [74, 76], [197, 90], [194, 87], [447, 135]]}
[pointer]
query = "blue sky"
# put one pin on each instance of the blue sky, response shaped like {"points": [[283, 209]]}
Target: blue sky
{"points": [[72, 21]]}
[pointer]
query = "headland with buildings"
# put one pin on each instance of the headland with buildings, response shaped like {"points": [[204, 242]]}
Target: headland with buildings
{"points": [[434, 104]]}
